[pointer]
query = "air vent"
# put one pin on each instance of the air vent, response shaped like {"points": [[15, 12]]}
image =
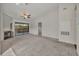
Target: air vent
{"points": [[64, 33]]}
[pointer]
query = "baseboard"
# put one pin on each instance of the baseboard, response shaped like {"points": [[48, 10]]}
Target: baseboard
{"points": [[45, 37], [57, 39]]}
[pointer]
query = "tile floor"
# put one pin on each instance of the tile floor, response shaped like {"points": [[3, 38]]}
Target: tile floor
{"points": [[31, 45]]}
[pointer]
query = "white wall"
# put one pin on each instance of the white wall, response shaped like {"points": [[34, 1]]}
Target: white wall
{"points": [[53, 23], [67, 22], [77, 25], [7, 20], [0, 22], [49, 24], [0, 29]]}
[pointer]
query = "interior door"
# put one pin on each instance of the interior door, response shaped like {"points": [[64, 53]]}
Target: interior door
{"points": [[40, 29]]}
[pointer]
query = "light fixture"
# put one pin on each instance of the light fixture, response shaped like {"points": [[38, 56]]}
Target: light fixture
{"points": [[21, 3], [25, 14]]}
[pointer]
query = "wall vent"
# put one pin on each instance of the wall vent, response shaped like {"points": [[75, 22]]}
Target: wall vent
{"points": [[64, 33]]}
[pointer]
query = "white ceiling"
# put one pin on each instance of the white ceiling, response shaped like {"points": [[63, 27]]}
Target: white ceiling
{"points": [[35, 9]]}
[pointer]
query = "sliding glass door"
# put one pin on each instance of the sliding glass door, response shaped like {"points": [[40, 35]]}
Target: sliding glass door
{"points": [[21, 28]]}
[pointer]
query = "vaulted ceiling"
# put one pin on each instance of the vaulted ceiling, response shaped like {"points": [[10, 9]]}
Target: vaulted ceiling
{"points": [[35, 9]]}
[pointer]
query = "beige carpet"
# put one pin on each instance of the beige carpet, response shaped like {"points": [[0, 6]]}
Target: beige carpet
{"points": [[30, 45]]}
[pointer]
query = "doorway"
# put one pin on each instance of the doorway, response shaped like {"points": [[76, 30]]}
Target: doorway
{"points": [[40, 28]]}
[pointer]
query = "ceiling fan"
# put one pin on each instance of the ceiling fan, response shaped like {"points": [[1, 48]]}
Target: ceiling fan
{"points": [[24, 12]]}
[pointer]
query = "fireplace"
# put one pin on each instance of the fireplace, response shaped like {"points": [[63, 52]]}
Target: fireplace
{"points": [[7, 34]]}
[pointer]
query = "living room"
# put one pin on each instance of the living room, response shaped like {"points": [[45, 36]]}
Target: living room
{"points": [[53, 22]]}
